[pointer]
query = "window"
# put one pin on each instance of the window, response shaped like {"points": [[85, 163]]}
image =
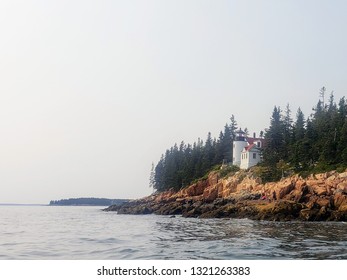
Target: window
{"points": [[254, 155]]}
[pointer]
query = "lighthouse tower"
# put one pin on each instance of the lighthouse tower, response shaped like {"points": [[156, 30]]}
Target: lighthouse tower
{"points": [[238, 145]]}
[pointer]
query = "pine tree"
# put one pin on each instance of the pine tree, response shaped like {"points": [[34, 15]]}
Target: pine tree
{"points": [[342, 131], [208, 153], [233, 127], [159, 180], [297, 148], [299, 126], [287, 132], [274, 139], [342, 144], [219, 155], [226, 144], [152, 177]]}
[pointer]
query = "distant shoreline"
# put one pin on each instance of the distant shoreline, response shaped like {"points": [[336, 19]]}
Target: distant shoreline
{"points": [[22, 204], [87, 201], [36, 204]]}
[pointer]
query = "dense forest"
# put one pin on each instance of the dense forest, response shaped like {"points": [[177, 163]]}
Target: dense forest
{"points": [[181, 165], [87, 201], [314, 144]]}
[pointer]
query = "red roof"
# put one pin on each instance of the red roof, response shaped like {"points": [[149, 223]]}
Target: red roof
{"points": [[249, 147]]}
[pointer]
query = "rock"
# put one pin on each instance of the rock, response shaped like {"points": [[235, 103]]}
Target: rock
{"points": [[343, 208], [338, 216], [247, 184], [300, 183], [284, 188], [210, 194], [321, 176], [339, 199], [320, 197], [323, 202], [212, 178], [193, 190], [319, 189], [287, 208], [332, 181], [308, 214], [244, 195], [342, 186]]}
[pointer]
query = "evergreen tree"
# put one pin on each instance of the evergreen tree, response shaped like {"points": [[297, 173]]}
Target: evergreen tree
{"points": [[233, 127], [342, 144], [208, 154], [297, 148], [299, 126], [152, 177], [226, 144], [274, 139], [219, 154], [317, 144], [287, 132], [159, 179], [342, 132]]}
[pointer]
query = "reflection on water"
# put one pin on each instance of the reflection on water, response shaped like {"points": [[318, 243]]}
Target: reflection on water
{"points": [[89, 233]]}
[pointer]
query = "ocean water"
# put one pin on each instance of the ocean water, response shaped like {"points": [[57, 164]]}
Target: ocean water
{"points": [[45, 232]]}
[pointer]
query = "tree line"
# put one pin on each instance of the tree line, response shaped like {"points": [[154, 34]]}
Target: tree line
{"points": [[92, 201], [317, 143], [184, 163]]}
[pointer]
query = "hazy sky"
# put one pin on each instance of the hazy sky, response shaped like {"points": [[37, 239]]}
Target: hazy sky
{"points": [[93, 92]]}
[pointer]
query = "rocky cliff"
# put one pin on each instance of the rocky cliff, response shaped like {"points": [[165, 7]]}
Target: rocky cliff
{"points": [[320, 197]]}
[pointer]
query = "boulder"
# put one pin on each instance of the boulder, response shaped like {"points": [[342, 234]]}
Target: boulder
{"points": [[323, 202], [319, 189], [210, 194], [343, 175], [308, 214], [300, 183], [212, 178], [283, 188], [342, 186], [194, 190], [333, 180], [339, 199]]}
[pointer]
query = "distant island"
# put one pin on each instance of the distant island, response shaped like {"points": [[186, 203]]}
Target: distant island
{"points": [[87, 201]]}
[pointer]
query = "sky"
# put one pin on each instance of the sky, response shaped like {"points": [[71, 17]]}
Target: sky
{"points": [[93, 92]]}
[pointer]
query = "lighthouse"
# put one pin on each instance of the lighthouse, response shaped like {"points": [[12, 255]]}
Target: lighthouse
{"points": [[239, 144]]}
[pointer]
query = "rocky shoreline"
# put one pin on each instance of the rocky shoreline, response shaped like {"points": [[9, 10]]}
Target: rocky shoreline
{"points": [[320, 197]]}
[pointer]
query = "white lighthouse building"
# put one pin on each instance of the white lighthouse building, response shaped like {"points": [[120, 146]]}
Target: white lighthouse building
{"points": [[246, 150], [238, 145]]}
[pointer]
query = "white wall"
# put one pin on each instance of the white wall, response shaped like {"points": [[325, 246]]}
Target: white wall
{"points": [[248, 161], [238, 146]]}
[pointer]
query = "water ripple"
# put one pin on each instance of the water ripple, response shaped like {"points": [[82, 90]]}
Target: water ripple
{"points": [[89, 233]]}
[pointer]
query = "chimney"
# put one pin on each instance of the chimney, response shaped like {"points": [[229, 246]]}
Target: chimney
{"points": [[254, 135]]}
